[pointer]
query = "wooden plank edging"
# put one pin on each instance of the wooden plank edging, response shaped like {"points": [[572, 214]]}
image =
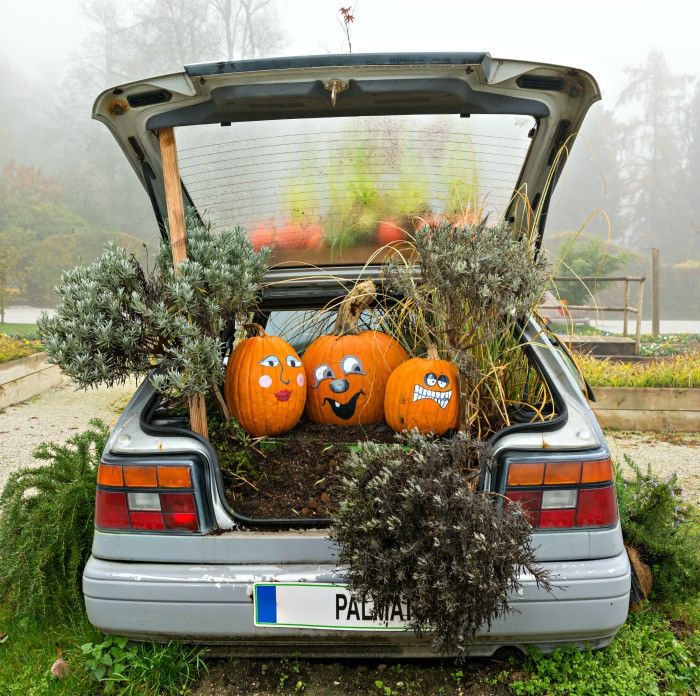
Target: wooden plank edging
{"points": [[647, 399]]}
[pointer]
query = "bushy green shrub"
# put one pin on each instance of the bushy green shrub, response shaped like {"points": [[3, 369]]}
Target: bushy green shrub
{"points": [[588, 256], [410, 527], [665, 529], [113, 320], [463, 287], [46, 525]]}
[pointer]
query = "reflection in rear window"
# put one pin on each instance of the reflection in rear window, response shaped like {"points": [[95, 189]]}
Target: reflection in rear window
{"points": [[333, 190]]}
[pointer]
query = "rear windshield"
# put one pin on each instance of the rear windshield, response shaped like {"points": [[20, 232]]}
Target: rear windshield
{"points": [[334, 190]]}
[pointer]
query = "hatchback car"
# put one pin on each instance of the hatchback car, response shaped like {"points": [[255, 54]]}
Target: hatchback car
{"points": [[326, 160]]}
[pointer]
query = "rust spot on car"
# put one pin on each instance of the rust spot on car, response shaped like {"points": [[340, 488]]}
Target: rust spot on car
{"points": [[117, 107]]}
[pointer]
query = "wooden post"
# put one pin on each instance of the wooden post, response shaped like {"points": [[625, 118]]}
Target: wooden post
{"points": [[655, 284], [178, 243], [638, 329], [627, 304]]}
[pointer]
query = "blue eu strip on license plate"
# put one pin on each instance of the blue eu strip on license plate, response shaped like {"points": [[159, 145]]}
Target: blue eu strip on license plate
{"points": [[321, 606]]}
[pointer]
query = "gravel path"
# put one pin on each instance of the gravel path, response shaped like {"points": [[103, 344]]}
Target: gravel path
{"points": [[59, 413], [54, 416], [667, 453]]}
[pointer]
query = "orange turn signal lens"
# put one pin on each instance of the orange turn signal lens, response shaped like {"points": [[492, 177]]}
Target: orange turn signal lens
{"points": [[525, 474], [562, 472], [174, 477], [110, 475], [594, 472], [141, 476]]}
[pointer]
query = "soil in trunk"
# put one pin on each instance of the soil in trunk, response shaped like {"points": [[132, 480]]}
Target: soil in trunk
{"points": [[294, 476]]}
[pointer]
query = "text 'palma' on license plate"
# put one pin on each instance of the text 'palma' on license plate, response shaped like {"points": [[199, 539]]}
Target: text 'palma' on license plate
{"points": [[321, 606]]}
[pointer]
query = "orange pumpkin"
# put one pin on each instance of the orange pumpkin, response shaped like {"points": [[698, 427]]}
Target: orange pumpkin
{"points": [[423, 393], [265, 387], [347, 370]]}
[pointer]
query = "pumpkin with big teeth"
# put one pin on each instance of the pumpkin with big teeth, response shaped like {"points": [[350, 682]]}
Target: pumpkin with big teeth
{"points": [[265, 387], [423, 393], [347, 370]]}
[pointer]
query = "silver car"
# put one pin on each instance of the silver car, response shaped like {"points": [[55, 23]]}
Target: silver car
{"points": [[289, 148]]}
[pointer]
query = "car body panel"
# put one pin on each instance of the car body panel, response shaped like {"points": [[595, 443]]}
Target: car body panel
{"points": [[213, 603]]}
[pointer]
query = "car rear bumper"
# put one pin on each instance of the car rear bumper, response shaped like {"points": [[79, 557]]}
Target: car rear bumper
{"points": [[213, 604]]}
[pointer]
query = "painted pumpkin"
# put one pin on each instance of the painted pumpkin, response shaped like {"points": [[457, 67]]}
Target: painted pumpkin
{"points": [[265, 387], [423, 393], [347, 370]]}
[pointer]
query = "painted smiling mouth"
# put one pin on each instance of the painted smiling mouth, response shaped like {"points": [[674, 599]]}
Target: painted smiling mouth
{"points": [[344, 411], [441, 398], [283, 395]]}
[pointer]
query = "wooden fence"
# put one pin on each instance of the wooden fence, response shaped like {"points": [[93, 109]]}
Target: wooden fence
{"points": [[626, 308]]}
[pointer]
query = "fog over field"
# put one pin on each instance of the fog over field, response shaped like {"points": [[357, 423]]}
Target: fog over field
{"points": [[65, 188]]}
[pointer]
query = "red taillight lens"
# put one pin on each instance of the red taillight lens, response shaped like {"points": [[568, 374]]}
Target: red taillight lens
{"points": [[149, 502], [560, 495], [111, 511], [177, 502], [597, 507], [552, 519], [181, 520], [530, 501], [147, 520]]}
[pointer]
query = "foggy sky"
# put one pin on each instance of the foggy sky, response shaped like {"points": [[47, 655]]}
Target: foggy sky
{"points": [[600, 36]]}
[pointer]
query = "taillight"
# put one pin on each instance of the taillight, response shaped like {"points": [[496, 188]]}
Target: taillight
{"points": [[564, 494], [146, 498]]}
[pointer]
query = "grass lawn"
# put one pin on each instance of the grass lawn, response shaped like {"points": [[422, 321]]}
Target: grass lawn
{"points": [[18, 329]]}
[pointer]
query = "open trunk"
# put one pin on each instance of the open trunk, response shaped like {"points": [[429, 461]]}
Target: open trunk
{"points": [[294, 480]]}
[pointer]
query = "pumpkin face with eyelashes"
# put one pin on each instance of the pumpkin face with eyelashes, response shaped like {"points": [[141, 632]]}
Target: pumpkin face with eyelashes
{"points": [[265, 387]]}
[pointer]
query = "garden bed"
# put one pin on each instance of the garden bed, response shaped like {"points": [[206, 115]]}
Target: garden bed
{"points": [[26, 377], [295, 476], [648, 408]]}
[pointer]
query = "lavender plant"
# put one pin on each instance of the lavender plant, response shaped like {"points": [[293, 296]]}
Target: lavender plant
{"points": [[412, 528], [115, 320], [465, 287]]}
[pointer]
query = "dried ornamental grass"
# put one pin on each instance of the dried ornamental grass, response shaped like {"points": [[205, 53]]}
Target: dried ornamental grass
{"points": [[411, 527], [464, 288]]}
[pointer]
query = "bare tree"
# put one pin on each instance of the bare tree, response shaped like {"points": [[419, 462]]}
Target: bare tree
{"points": [[250, 27]]}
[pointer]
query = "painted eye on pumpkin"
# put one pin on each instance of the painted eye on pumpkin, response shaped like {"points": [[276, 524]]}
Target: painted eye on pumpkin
{"points": [[322, 372], [270, 361], [293, 362], [430, 379], [351, 366], [443, 381]]}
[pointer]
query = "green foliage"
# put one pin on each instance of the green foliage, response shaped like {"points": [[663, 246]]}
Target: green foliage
{"points": [[644, 658], [411, 528], [15, 348], [680, 371], [31, 647], [142, 668], [587, 256], [658, 522], [463, 287], [41, 235], [114, 321], [46, 526]]}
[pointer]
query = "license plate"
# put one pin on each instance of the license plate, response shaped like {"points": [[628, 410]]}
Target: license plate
{"points": [[321, 606]]}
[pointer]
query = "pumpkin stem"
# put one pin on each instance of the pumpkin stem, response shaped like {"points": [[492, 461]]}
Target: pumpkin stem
{"points": [[357, 300], [432, 352], [254, 329]]}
